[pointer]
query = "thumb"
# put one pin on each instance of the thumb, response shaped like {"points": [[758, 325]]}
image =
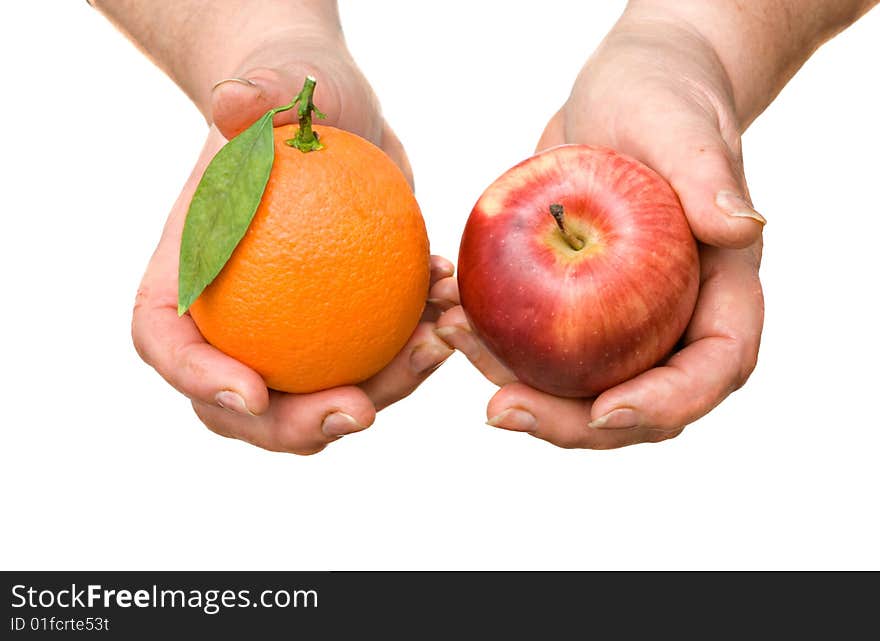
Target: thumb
{"points": [[707, 176], [392, 146], [554, 132], [691, 154], [708, 180], [236, 103]]}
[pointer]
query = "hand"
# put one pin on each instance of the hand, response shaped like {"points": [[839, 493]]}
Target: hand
{"points": [[230, 398], [655, 90]]}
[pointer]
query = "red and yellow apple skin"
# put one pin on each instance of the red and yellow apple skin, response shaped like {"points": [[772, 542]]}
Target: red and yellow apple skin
{"points": [[575, 322]]}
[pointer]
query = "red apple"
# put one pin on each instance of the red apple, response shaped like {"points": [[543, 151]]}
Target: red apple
{"points": [[578, 270]]}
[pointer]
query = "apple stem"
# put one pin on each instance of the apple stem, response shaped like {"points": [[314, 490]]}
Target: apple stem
{"points": [[573, 241], [306, 138]]}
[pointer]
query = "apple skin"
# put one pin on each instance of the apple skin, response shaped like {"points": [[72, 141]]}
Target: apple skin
{"points": [[577, 322]]}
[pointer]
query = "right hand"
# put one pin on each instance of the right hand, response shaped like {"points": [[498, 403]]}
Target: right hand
{"points": [[230, 398], [656, 91]]}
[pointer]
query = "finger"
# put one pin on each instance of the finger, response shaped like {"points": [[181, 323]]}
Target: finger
{"points": [[441, 268], [564, 422], [686, 147], [295, 423], [554, 132], [706, 177], [238, 102], [423, 353], [444, 294], [172, 344], [445, 290], [722, 350], [392, 146], [176, 349], [454, 329], [682, 140]]}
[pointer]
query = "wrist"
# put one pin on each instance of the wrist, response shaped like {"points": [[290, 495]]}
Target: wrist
{"points": [[760, 45], [672, 55], [750, 68], [198, 42]]}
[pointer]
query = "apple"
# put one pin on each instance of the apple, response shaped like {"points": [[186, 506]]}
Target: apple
{"points": [[577, 269]]}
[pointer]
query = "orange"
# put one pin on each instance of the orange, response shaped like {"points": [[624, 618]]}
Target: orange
{"points": [[331, 277]]}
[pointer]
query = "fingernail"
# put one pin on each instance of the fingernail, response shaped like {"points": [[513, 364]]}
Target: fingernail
{"points": [[514, 419], [242, 81], [461, 339], [735, 205], [340, 424], [233, 402], [619, 419], [442, 303], [428, 356], [443, 270]]}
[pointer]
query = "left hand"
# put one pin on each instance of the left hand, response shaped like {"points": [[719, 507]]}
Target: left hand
{"points": [[655, 91], [230, 398]]}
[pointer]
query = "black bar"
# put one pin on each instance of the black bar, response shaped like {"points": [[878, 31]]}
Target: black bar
{"points": [[416, 605]]}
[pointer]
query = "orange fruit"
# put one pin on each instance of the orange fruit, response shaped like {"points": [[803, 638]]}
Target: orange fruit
{"points": [[331, 277]]}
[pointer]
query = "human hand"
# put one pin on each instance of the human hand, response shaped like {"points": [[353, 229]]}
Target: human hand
{"points": [[655, 90], [230, 398]]}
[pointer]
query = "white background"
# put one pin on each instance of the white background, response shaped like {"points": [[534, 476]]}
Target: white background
{"points": [[104, 465]]}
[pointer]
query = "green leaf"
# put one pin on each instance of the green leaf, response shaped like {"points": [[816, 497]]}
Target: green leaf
{"points": [[223, 206], [228, 195]]}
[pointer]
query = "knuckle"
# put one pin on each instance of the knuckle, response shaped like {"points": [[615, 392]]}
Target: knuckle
{"points": [[292, 440], [186, 363], [736, 155], [207, 422], [660, 435], [746, 371], [141, 298], [141, 344], [605, 445], [453, 316], [308, 451], [295, 444], [137, 322], [748, 362], [568, 441], [218, 430]]}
